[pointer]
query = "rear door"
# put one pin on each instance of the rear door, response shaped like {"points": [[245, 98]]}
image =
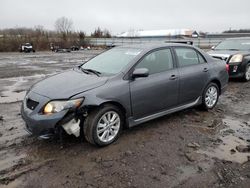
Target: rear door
{"points": [[158, 91], [194, 74]]}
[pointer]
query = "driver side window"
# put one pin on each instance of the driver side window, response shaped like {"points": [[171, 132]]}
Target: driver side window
{"points": [[157, 61]]}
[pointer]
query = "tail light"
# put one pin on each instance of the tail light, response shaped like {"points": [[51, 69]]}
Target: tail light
{"points": [[227, 67]]}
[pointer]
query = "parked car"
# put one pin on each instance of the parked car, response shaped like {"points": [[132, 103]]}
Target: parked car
{"points": [[62, 50], [74, 48], [26, 47], [236, 53], [56, 48], [123, 87], [110, 45]]}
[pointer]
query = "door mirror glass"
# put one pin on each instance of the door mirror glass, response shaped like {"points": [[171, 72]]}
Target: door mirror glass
{"points": [[140, 72]]}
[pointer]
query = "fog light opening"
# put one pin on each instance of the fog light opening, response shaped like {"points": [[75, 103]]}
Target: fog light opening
{"points": [[72, 127]]}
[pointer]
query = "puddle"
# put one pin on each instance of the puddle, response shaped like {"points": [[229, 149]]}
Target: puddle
{"points": [[17, 91], [12, 93], [235, 134], [242, 108]]}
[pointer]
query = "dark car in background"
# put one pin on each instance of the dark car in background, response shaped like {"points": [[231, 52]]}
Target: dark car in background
{"points": [[75, 48], [236, 53], [123, 87]]}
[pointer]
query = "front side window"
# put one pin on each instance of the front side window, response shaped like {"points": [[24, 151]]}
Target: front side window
{"points": [[187, 56], [157, 61]]}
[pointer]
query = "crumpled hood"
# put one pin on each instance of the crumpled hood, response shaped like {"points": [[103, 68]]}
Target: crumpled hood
{"points": [[67, 84], [225, 54]]}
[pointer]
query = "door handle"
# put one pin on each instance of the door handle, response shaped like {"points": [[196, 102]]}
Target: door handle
{"points": [[173, 77], [205, 69]]}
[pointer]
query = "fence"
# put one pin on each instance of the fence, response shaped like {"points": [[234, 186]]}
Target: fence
{"points": [[204, 43]]}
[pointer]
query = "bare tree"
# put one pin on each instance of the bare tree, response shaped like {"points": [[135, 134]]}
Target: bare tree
{"points": [[64, 26], [99, 33], [39, 29]]}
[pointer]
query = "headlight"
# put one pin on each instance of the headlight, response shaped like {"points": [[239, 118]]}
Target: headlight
{"points": [[236, 58], [57, 106]]}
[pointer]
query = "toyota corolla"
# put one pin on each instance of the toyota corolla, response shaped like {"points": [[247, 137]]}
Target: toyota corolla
{"points": [[123, 87]]}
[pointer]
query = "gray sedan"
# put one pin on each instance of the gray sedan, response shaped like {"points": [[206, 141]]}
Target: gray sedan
{"points": [[123, 87]]}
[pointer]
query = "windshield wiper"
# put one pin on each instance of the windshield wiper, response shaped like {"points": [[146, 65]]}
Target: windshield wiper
{"points": [[87, 71], [232, 49]]}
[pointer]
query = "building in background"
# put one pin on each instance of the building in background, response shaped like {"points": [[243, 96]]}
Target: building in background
{"points": [[170, 33]]}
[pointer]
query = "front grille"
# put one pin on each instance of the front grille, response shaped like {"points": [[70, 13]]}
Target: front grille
{"points": [[31, 104]]}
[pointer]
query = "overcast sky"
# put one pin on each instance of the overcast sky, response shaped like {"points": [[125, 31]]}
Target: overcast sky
{"points": [[124, 15]]}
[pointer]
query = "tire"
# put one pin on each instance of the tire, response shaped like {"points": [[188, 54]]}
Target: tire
{"points": [[96, 121], [210, 96], [246, 76]]}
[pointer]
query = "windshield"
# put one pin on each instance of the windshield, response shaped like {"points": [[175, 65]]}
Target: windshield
{"points": [[234, 45], [112, 61]]}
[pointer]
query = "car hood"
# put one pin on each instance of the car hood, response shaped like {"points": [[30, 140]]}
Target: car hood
{"points": [[224, 54], [67, 84]]}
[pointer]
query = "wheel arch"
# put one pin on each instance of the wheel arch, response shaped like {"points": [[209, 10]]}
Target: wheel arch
{"points": [[115, 103], [217, 82]]}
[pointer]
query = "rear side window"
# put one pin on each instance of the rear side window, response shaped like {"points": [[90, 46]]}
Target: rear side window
{"points": [[157, 61], [188, 56]]}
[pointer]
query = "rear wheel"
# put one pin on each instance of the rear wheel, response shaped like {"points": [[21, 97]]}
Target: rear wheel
{"points": [[103, 125], [210, 96], [247, 73]]}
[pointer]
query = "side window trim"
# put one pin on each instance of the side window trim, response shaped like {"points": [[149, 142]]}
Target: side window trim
{"points": [[155, 50], [197, 52], [200, 55]]}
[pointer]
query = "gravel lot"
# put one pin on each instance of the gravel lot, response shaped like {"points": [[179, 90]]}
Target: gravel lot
{"points": [[191, 148]]}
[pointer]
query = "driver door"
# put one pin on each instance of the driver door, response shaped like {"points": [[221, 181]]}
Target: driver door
{"points": [[158, 91]]}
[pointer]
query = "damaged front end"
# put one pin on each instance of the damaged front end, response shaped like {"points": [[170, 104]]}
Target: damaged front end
{"points": [[49, 118], [72, 122]]}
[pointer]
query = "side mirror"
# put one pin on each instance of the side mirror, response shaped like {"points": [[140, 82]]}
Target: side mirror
{"points": [[213, 47], [140, 72]]}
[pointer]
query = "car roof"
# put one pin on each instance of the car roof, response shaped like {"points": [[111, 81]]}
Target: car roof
{"points": [[150, 46]]}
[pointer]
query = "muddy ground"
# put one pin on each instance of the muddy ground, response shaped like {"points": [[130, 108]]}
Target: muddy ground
{"points": [[191, 148]]}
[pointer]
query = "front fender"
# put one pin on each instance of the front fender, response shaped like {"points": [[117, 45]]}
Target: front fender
{"points": [[115, 92]]}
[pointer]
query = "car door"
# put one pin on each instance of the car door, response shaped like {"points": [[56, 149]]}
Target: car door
{"points": [[158, 91], [194, 73]]}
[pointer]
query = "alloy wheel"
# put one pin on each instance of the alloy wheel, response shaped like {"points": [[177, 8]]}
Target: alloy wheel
{"points": [[108, 126], [211, 96], [247, 74]]}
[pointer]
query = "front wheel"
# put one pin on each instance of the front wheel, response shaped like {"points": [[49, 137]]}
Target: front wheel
{"points": [[210, 96], [103, 125], [247, 73]]}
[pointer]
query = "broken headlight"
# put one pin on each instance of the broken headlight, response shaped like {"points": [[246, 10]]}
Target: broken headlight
{"points": [[60, 105]]}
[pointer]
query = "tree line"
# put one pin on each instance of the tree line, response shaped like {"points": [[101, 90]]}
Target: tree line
{"points": [[41, 38]]}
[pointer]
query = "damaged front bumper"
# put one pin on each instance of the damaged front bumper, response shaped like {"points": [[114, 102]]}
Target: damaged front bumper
{"points": [[46, 126]]}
